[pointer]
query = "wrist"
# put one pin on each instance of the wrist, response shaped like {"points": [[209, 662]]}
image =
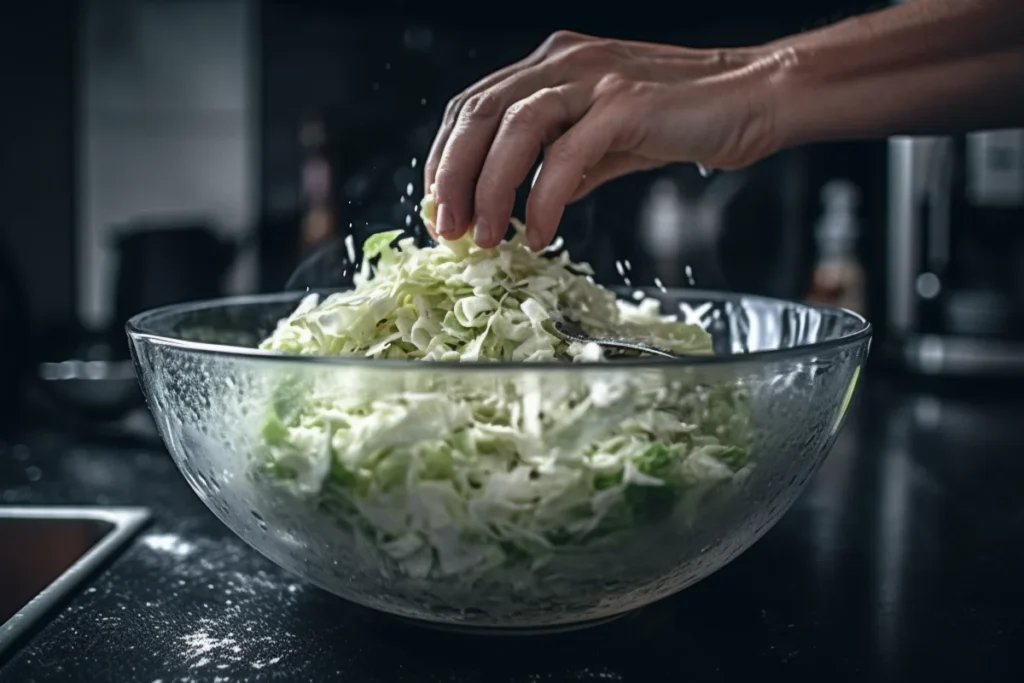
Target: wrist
{"points": [[762, 75], [784, 87]]}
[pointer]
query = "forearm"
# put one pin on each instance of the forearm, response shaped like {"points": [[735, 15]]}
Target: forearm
{"points": [[923, 67]]}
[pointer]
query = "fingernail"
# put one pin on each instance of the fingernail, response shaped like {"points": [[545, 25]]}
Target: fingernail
{"points": [[481, 231], [445, 225]]}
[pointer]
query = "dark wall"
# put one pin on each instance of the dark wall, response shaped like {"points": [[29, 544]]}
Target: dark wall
{"points": [[382, 73], [37, 151], [356, 63]]}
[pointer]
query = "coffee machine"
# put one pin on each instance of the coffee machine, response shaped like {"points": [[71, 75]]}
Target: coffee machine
{"points": [[955, 242]]}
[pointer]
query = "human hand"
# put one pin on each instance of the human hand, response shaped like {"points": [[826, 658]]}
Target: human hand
{"points": [[597, 108]]}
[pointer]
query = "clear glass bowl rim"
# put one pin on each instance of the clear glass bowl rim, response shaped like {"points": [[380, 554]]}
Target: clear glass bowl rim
{"points": [[136, 327]]}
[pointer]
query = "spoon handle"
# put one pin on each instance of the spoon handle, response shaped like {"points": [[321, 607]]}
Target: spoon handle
{"points": [[635, 346], [572, 332]]}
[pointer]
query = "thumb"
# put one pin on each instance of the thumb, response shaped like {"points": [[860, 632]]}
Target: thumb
{"points": [[610, 167]]}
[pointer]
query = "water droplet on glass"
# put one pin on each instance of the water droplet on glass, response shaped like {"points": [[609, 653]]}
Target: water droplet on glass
{"points": [[260, 522]]}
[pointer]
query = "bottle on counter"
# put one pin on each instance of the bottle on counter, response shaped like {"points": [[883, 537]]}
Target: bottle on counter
{"points": [[838, 278], [319, 220]]}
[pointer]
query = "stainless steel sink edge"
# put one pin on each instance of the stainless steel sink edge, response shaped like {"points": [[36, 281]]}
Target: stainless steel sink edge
{"points": [[127, 522]]}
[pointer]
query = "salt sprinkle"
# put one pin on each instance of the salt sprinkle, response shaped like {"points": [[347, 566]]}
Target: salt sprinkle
{"points": [[202, 643], [168, 543], [350, 247], [270, 662]]}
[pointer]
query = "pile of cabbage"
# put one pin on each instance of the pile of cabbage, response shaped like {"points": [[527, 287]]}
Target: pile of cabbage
{"points": [[445, 476]]}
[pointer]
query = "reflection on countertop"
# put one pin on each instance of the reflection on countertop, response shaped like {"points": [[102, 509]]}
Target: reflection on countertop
{"points": [[901, 561]]}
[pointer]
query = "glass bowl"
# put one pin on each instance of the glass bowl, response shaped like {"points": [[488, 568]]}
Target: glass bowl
{"points": [[467, 547]]}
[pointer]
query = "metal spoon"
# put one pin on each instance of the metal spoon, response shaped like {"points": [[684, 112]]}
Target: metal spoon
{"points": [[570, 331]]}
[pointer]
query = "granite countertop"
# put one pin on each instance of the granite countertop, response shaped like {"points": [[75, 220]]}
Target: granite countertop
{"points": [[902, 561]]}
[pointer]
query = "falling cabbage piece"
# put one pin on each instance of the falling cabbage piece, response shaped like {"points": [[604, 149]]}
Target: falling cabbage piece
{"points": [[484, 476]]}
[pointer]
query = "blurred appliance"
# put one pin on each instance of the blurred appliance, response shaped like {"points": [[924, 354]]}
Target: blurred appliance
{"points": [[956, 254], [86, 379], [165, 263], [738, 230]]}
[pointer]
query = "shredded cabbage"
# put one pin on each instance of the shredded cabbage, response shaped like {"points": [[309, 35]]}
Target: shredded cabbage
{"points": [[463, 479]]}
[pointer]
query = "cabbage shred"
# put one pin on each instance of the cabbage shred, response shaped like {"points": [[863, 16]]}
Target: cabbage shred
{"points": [[457, 302], [464, 480]]}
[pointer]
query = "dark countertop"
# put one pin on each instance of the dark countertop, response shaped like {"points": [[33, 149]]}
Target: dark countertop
{"points": [[901, 562]]}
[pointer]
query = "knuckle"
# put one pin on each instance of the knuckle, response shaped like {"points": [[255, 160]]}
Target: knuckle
{"points": [[481, 106], [562, 41], [564, 152], [559, 40], [448, 175], [523, 114], [612, 85], [565, 37]]}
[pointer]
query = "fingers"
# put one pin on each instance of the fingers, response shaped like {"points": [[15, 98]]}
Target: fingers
{"points": [[451, 114], [467, 147], [566, 162], [526, 127]]}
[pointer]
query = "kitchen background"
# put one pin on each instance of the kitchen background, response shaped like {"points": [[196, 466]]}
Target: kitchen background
{"points": [[160, 150], [156, 150]]}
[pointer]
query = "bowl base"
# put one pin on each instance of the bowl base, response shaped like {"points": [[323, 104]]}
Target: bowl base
{"points": [[516, 630]]}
